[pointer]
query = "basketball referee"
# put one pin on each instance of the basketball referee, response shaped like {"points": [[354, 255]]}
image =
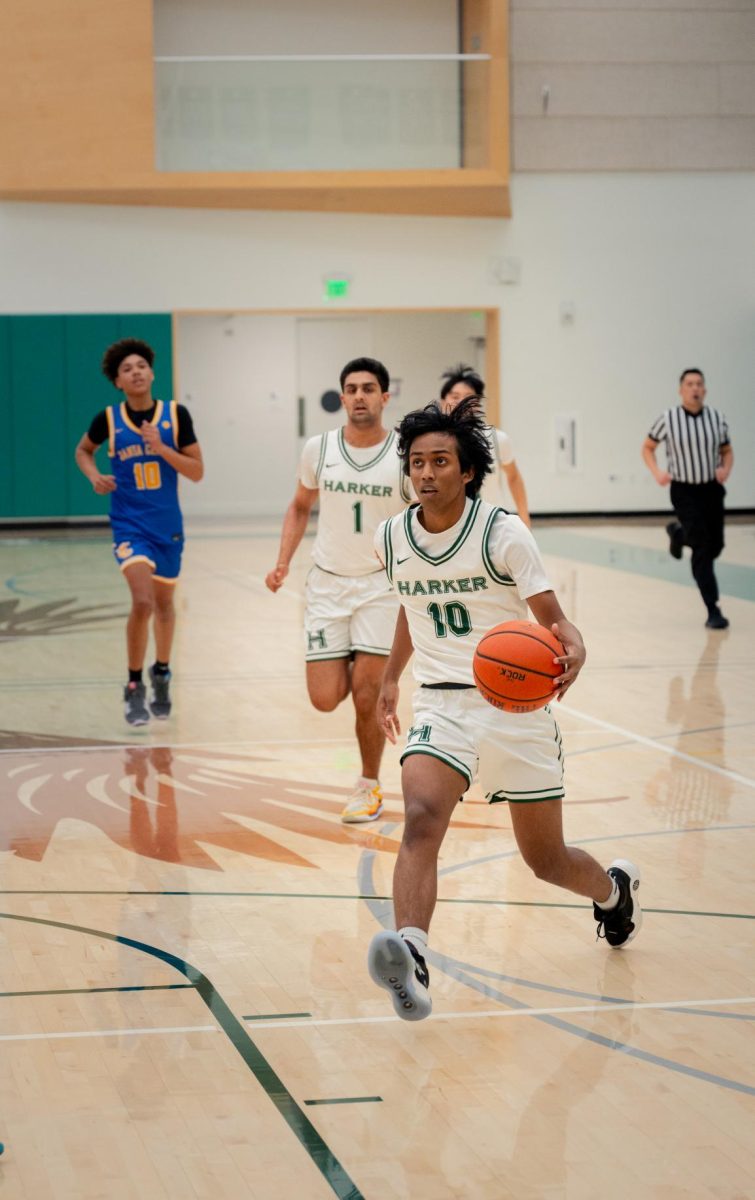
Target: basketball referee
{"points": [[700, 459]]}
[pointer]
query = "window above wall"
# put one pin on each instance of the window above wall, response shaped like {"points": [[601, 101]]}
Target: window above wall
{"points": [[396, 107]]}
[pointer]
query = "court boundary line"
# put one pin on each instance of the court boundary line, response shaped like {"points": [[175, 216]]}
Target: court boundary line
{"points": [[472, 1014], [128, 1032], [272, 1085], [656, 744], [453, 969]]}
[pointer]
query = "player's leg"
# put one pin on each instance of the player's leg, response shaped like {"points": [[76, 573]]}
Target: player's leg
{"points": [[327, 647], [538, 829], [525, 751], [138, 576], [366, 801], [164, 625], [431, 790], [371, 629], [709, 544], [328, 682], [396, 960], [167, 556]]}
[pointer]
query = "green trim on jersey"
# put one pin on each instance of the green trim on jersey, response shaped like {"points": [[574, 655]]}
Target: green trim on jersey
{"points": [[506, 580], [373, 461], [321, 459], [388, 541], [465, 532]]}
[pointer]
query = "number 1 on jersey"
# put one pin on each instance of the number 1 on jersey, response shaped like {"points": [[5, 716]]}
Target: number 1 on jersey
{"points": [[357, 510]]}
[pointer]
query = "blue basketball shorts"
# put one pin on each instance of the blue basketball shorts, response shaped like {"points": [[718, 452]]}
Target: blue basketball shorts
{"points": [[133, 546]]}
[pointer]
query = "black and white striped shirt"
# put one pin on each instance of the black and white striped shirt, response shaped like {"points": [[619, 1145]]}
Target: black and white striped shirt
{"points": [[693, 442]]}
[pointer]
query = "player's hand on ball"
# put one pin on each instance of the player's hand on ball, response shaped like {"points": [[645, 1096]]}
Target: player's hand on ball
{"points": [[274, 578], [387, 716], [103, 484], [572, 661]]}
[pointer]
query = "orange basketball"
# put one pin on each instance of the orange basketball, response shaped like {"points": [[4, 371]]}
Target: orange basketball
{"points": [[514, 668]]}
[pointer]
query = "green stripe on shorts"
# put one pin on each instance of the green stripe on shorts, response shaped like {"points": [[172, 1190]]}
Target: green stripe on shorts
{"points": [[448, 759]]}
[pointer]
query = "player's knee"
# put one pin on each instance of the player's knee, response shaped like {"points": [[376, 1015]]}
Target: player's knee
{"points": [[421, 825], [142, 607], [365, 697], [324, 700], [165, 609]]}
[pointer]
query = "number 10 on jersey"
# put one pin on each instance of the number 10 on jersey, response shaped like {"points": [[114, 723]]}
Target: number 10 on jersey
{"points": [[147, 475]]}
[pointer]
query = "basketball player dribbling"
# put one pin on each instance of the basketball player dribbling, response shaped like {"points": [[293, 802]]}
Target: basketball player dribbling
{"points": [[150, 443], [460, 566], [350, 608]]}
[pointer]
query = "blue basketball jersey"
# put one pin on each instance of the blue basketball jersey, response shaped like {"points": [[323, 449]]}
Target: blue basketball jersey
{"points": [[146, 494]]}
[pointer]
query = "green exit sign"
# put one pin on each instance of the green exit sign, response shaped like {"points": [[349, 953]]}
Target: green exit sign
{"points": [[336, 287]]}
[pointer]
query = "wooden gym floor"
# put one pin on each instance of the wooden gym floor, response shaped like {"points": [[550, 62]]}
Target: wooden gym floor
{"points": [[185, 1008]]}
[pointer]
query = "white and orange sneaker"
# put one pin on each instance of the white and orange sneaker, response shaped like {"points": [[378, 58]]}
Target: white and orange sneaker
{"points": [[364, 804]]}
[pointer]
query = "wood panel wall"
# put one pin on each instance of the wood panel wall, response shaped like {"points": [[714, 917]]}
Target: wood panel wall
{"points": [[77, 94]]}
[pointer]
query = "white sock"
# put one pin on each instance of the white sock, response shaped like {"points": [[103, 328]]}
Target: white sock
{"points": [[370, 784], [417, 937], [612, 900]]}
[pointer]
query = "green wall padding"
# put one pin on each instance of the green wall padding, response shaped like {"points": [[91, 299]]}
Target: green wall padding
{"points": [[51, 386], [6, 418]]}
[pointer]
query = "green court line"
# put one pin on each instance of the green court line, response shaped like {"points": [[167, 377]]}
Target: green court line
{"points": [[297, 1121], [680, 912], [146, 987], [349, 1100], [734, 579], [274, 1017]]}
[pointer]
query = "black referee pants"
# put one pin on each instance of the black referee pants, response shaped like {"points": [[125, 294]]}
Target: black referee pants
{"points": [[699, 508]]}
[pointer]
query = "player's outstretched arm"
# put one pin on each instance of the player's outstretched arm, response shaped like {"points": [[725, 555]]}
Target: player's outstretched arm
{"points": [[294, 528], [387, 705], [548, 612], [84, 455]]}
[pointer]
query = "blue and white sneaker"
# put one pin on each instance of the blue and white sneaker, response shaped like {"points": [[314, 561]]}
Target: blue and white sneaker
{"points": [[397, 966]]}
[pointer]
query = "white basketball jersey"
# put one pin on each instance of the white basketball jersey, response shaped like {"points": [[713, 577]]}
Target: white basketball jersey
{"points": [[457, 584], [493, 487], [359, 487]]}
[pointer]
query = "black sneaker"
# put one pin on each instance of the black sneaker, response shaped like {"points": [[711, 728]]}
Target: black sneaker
{"points": [[135, 695], [397, 966], [160, 702], [621, 924], [716, 619], [675, 538]]}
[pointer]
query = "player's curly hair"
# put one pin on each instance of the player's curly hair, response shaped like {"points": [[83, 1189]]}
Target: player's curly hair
{"points": [[465, 424], [115, 354], [461, 373]]}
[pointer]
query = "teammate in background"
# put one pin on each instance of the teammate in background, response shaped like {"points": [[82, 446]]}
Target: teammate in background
{"points": [[700, 458], [460, 566], [350, 608], [150, 443], [461, 382]]}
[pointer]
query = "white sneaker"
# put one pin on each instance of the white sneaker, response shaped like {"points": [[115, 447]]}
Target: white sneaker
{"points": [[364, 804], [397, 966]]}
